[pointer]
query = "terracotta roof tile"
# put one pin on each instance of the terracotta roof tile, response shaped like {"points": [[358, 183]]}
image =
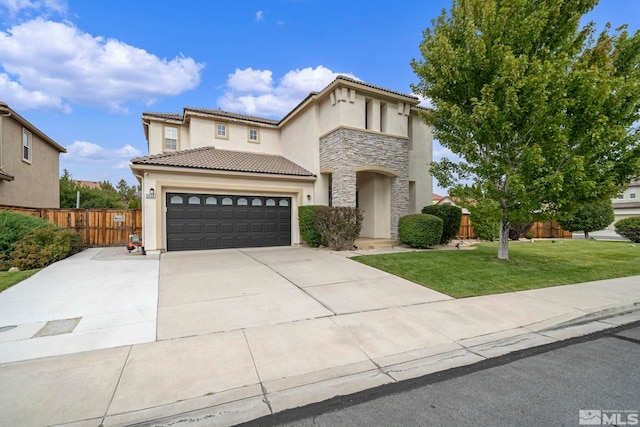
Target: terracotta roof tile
{"points": [[349, 79], [211, 158], [170, 116], [227, 114]]}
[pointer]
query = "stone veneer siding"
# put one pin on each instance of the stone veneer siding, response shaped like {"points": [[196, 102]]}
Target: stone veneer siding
{"points": [[344, 150]]}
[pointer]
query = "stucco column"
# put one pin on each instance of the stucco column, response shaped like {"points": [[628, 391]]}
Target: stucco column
{"points": [[343, 187]]}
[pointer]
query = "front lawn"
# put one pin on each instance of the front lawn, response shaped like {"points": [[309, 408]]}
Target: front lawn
{"points": [[466, 273], [9, 279]]}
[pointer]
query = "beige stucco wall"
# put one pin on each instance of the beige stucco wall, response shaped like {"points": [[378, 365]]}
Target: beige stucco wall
{"points": [[202, 133], [153, 210], [37, 183], [420, 156]]}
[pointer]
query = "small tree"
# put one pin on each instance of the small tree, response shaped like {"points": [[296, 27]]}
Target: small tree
{"points": [[484, 217], [588, 217]]}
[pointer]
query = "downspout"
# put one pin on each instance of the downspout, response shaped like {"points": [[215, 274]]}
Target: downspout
{"points": [[3, 113], [142, 227]]}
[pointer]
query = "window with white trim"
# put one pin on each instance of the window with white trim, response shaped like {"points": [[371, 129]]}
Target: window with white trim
{"points": [[254, 135], [170, 138], [26, 146], [632, 195], [221, 131]]}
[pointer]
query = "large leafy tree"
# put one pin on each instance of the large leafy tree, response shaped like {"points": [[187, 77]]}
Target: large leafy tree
{"points": [[542, 113]]}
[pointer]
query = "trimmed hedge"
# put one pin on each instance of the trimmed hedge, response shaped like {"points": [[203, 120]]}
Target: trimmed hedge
{"points": [[452, 217], [629, 228], [339, 226], [308, 228], [420, 230]]}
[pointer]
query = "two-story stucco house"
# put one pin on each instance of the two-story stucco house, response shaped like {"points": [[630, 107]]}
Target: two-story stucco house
{"points": [[216, 179], [627, 204], [29, 163]]}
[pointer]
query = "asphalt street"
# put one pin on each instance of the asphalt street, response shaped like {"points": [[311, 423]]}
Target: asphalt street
{"points": [[591, 380]]}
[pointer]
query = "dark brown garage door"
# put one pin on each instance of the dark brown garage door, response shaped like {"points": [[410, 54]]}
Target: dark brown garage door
{"points": [[212, 221]]}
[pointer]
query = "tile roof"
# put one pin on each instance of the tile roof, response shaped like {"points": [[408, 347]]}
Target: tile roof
{"points": [[349, 79], [227, 114], [170, 116], [211, 158], [6, 176]]}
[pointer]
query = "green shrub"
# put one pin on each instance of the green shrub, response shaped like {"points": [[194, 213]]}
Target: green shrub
{"points": [[451, 217], [339, 227], [629, 228], [13, 226], [420, 230], [308, 229], [519, 229], [43, 246], [485, 220], [29, 242]]}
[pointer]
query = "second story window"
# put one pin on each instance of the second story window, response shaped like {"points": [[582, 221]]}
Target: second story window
{"points": [[26, 145], [221, 131], [254, 135], [170, 138]]}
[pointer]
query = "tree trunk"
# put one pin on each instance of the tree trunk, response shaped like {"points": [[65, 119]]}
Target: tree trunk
{"points": [[586, 235], [503, 249]]}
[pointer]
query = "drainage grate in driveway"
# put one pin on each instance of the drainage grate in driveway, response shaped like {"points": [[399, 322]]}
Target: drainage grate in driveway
{"points": [[58, 327]]}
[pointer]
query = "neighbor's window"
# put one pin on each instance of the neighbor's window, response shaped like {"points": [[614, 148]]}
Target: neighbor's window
{"points": [[632, 195], [221, 131], [254, 135], [621, 196], [170, 138], [26, 145]]}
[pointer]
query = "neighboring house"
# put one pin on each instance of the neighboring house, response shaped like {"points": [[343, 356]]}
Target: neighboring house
{"points": [[216, 179], [627, 204], [29, 163]]}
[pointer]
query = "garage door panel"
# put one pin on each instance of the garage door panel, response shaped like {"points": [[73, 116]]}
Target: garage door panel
{"points": [[210, 221], [212, 228], [195, 228]]}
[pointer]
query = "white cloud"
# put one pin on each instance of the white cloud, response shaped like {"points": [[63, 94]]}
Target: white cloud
{"points": [[89, 152], [72, 66], [424, 102], [254, 92], [42, 6], [250, 80], [259, 16]]}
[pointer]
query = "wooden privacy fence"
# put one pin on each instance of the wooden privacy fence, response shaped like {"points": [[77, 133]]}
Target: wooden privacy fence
{"points": [[543, 230], [96, 227]]}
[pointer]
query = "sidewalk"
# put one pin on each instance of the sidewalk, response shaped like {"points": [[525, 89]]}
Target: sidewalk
{"points": [[229, 377]]}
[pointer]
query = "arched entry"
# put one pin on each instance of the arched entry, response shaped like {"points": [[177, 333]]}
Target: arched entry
{"points": [[373, 186]]}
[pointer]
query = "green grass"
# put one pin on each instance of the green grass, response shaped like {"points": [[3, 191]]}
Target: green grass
{"points": [[467, 273], [9, 279]]}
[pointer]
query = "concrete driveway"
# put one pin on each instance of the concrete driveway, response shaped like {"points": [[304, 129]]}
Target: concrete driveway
{"points": [[223, 290], [98, 298]]}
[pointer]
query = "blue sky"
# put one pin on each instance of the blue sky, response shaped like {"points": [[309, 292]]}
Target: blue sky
{"points": [[84, 71]]}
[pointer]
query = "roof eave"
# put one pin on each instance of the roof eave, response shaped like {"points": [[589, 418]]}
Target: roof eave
{"points": [[205, 171]]}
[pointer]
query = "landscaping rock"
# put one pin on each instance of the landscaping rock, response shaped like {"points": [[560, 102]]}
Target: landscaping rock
{"points": [[14, 270]]}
